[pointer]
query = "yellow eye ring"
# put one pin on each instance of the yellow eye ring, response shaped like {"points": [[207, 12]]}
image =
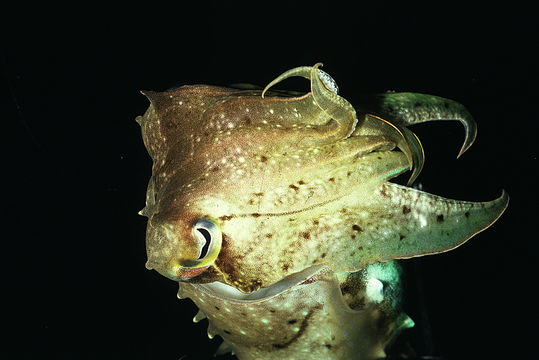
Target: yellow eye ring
{"points": [[209, 237]]}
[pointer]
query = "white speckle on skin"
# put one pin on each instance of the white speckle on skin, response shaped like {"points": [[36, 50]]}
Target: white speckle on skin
{"points": [[271, 111], [180, 102], [422, 220]]}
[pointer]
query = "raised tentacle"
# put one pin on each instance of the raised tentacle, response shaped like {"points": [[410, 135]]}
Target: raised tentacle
{"points": [[413, 108], [324, 92], [305, 71], [334, 105]]}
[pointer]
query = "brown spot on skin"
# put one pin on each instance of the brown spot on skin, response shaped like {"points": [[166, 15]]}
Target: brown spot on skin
{"points": [[215, 168], [306, 235], [251, 202], [332, 179], [294, 187], [353, 236], [255, 215], [323, 255], [272, 310], [302, 328], [226, 217], [316, 222], [269, 236], [293, 321], [263, 158], [406, 210], [357, 304], [285, 267], [259, 194], [356, 228], [301, 182], [349, 173], [343, 211], [383, 192], [291, 219], [440, 218], [353, 253]]}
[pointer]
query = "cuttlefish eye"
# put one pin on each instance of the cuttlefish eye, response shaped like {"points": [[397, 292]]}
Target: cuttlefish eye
{"points": [[208, 237]]}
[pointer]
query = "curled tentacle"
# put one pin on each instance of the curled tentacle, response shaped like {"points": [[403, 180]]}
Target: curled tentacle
{"points": [[418, 155], [405, 140], [324, 91], [413, 108], [305, 71], [334, 105]]}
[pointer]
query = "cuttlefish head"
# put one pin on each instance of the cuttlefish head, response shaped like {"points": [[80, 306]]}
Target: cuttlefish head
{"points": [[249, 187]]}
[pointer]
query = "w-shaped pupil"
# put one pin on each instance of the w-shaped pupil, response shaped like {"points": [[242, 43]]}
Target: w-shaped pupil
{"points": [[206, 246]]}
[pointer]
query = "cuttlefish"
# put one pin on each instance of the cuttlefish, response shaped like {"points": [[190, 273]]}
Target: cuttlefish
{"points": [[274, 213]]}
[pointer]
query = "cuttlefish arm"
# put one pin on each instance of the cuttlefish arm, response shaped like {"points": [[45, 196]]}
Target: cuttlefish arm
{"points": [[410, 223], [407, 108], [324, 93]]}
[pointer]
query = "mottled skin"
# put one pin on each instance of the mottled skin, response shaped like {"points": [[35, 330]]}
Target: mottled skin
{"points": [[277, 184], [308, 319]]}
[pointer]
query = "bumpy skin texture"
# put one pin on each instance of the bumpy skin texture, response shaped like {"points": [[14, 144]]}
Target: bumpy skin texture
{"points": [[250, 188]]}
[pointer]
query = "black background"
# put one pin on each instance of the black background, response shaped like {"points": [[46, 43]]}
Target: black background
{"points": [[73, 245]]}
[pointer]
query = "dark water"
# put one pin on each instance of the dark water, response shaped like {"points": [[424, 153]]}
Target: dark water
{"points": [[76, 169]]}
